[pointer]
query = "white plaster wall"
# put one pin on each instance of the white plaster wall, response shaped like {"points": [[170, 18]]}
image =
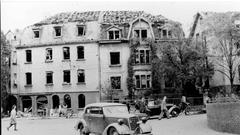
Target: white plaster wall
{"points": [[107, 71], [39, 68], [69, 33]]}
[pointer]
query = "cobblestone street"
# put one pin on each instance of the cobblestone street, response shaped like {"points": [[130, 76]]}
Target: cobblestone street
{"points": [[182, 125]]}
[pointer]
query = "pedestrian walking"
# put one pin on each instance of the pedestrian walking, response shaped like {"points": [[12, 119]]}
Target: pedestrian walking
{"points": [[13, 120], [164, 109]]}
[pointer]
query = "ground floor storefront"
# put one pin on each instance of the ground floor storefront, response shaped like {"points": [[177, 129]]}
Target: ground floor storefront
{"points": [[44, 103]]}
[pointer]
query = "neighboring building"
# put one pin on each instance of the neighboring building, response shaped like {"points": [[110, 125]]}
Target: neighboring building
{"points": [[198, 35], [74, 58]]}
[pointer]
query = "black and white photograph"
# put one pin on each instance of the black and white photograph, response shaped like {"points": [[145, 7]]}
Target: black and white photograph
{"points": [[120, 67]]}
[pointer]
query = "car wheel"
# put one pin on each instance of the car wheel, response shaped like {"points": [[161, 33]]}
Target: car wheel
{"points": [[81, 132], [113, 131]]}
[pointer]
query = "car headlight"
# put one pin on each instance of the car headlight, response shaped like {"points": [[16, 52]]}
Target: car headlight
{"points": [[120, 121]]}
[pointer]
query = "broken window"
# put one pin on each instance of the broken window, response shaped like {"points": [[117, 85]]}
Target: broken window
{"points": [[36, 33], [66, 53], [58, 31], [81, 30], [28, 78], [113, 34], [80, 52], [137, 77], [49, 77], [28, 56], [148, 81], [116, 82], [143, 81], [144, 34], [115, 58], [142, 56], [137, 60], [66, 76], [81, 76], [136, 33], [49, 54], [164, 33]]}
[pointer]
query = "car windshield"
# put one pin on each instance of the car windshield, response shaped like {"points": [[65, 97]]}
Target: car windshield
{"points": [[115, 109]]}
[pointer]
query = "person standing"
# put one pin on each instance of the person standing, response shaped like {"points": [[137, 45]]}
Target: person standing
{"points": [[13, 120], [164, 109]]}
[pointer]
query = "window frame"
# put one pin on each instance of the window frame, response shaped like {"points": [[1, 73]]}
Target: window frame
{"points": [[47, 49], [55, 32], [28, 56], [114, 34], [140, 35], [84, 76], [146, 56], [83, 50], [141, 81], [84, 30], [34, 34], [119, 58], [64, 80], [120, 85], [51, 73], [28, 80], [69, 57]]}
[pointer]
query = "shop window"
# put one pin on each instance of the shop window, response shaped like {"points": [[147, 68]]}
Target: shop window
{"points": [[49, 77], [58, 31], [66, 76], [80, 52], [81, 30], [28, 78], [81, 76], [116, 82], [115, 58], [49, 54], [28, 56], [66, 53]]}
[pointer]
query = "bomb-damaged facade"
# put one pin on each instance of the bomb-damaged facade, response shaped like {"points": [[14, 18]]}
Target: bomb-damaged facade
{"points": [[78, 58]]}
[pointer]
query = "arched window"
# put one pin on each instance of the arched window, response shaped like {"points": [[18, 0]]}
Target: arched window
{"points": [[67, 100], [81, 101], [55, 101]]}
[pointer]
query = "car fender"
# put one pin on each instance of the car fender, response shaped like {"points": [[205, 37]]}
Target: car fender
{"points": [[82, 121], [173, 107], [121, 129]]}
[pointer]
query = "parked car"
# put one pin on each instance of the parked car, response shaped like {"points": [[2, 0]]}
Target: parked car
{"points": [[109, 119]]}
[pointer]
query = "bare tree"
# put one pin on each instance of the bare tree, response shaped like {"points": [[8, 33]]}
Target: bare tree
{"points": [[224, 36]]}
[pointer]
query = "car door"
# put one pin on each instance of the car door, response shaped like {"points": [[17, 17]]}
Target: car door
{"points": [[97, 120]]}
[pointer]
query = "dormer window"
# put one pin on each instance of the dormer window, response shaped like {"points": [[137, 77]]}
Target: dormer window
{"points": [[140, 33], [58, 31], [113, 34], [81, 30], [36, 33]]}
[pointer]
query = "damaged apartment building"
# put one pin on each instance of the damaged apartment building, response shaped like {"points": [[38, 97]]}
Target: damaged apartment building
{"points": [[78, 58]]}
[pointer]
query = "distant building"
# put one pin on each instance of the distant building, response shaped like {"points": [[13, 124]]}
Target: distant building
{"points": [[207, 39], [77, 58]]}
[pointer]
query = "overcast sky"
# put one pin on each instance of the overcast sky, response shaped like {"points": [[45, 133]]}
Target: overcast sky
{"points": [[15, 14]]}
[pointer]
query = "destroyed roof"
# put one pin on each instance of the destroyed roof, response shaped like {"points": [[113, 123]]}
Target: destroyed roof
{"points": [[120, 17], [71, 17], [112, 17]]}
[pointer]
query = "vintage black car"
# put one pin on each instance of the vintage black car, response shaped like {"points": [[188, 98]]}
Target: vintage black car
{"points": [[108, 119]]}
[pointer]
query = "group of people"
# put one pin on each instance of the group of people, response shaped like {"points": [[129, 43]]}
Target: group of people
{"points": [[142, 106]]}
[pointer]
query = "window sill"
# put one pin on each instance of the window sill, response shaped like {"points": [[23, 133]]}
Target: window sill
{"points": [[80, 59], [66, 84], [28, 85], [137, 64], [81, 83], [56, 37], [49, 84], [28, 63], [66, 60], [117, 65], [48, 61]]}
